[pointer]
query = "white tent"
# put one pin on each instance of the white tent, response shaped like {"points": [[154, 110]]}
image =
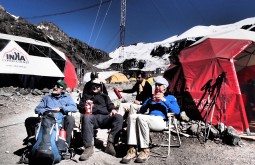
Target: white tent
{"points": [[17, 61], [31, 63]]}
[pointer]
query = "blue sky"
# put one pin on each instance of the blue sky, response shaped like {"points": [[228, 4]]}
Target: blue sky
{"points": [[146, 20]]}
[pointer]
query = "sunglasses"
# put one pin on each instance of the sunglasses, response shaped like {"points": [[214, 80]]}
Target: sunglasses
{"points": [[96, 86], [58, 86], [158, 84]]}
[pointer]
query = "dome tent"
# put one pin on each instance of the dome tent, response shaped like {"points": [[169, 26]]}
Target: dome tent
{"points": [[221, 61], [117, 78]]}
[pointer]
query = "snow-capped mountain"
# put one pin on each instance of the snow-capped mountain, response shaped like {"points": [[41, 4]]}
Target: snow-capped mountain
{"points": [[142, 51]]}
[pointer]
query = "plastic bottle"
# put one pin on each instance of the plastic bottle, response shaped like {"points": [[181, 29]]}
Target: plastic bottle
{"points": [[117, 92], [155, 93], [62, 134]]}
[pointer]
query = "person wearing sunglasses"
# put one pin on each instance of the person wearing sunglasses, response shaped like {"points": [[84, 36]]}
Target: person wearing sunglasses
{"points": [[143, 90], [103, 115], [88, 85], [139, 125], [57, 101]]}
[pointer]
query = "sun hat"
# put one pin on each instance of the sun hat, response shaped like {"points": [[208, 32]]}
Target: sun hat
{"points": [[161, 80], [62, 83]]}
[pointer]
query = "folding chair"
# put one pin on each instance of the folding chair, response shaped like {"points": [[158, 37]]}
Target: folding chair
{"points": [[171, 126]]}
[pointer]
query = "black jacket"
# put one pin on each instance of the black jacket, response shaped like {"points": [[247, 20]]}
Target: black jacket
{"points": [[102, 103], [144, 95]]}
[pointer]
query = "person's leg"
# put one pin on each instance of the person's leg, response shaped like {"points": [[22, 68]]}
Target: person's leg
{"points": [[131, 129], [69, 123], [134, 108], [131, 139], [145, 123], [123, 108], [30, 124], [89, 122], [115, 124]]}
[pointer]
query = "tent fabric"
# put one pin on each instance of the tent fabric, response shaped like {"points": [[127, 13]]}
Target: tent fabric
{"points": [[25, 65], [16, 61], [117, 78], [201, 69], [31, 41], [70, 75]]}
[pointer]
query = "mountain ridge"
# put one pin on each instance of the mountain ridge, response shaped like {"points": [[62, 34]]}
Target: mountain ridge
{"points": [[81, 54], [145, 56]]}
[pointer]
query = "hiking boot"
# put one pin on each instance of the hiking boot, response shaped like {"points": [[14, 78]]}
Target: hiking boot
{"points": [[143, 156], [87, 153], [131, 154], [110, 149]]}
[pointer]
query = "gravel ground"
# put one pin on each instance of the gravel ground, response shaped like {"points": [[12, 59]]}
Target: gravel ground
{"points": [[14, 109]]}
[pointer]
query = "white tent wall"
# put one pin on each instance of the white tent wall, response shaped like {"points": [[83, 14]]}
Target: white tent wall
{"points": [[14, 60], [24, 63], [31, 41]]}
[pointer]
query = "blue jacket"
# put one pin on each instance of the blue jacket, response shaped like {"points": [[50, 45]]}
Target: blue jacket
{"points": [[49, 102], [161, 108]]}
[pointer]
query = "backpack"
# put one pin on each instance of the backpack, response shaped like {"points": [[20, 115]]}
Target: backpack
{"points": [[45, 149], [231, 137]]}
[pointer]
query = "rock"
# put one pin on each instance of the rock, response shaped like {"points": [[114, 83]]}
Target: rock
{"points": [[45, 90], [23, 91], [37, 92], [3, 93]]}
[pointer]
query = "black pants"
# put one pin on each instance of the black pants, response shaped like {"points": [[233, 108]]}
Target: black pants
{"points": [[31, 124], [91, 122]]}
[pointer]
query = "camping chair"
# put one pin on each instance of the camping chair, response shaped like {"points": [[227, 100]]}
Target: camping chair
{"points": [[171, 126]]}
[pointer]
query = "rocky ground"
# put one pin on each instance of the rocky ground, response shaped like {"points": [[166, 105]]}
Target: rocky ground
{"points": [[16, 105]]}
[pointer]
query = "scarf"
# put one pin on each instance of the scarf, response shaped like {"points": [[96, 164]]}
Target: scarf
{"points": [[141, 86]]}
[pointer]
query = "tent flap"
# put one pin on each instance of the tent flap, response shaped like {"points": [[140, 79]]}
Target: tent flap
{"points": [[70, 75]]}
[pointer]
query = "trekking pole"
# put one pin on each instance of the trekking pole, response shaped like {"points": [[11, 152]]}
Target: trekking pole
{"points": [[207, 113], [207, 88], [207, 135], [224, 98], [217, 85]]}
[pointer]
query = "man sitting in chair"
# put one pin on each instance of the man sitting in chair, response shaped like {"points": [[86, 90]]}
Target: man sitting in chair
{"points": [[102, 115], [57, 101], [143, 91], [139, 125]]}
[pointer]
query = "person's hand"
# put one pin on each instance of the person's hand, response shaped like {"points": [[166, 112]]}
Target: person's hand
{"points": [[113, 112], [137, 102], [56, 109], [159, 96]]}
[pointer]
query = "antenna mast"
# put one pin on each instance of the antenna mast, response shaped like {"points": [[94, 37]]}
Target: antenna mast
{"points": [[122, 27]]}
